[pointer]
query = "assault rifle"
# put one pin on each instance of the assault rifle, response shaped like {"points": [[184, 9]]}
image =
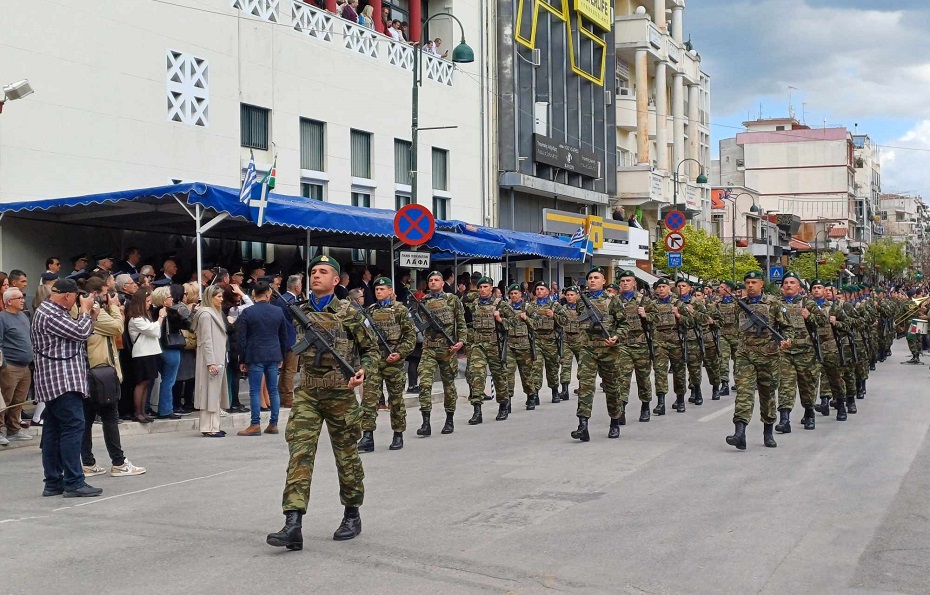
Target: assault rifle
{"points": [[593, 314], [700, 340], [715, 335], [382, 340], [319, 339], [647, 330], [531, 335], [758, 322], [560, 341], [425, 320], [503, 337], [839, 344], [683, 339]]}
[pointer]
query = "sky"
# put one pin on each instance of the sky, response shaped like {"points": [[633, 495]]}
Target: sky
{"points": [[850, 62]]}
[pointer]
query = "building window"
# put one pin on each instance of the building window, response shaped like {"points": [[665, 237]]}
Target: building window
{"points": [[188, 89], [360, 145], [313, 190], [899, 216], [253, 126], [402, 158], [361, 199], [440, 169], [312, 144], [440, 207], [401, 201]]}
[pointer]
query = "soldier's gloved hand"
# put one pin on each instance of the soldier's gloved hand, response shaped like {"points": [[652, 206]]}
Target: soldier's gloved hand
{"points": [[675, 311], [358, 379], [549, 313], [393, 358]]}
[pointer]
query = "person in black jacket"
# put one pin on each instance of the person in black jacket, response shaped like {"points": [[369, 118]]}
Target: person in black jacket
{"points": [[263, 341]]}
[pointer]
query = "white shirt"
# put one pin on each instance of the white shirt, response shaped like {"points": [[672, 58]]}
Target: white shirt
{"points": [[395, 34]]}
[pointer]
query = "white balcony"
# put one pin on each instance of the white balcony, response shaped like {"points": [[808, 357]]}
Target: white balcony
{"points": [[638, 32], [639, 184], [626, 115]]}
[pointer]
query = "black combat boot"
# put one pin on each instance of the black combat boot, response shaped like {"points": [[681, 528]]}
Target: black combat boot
{"points": [[614, 431], [503, 411], [808, 420], [841, 410], [536, 398], [691, 397], [449, 427], [530, 402], [824, 407], [644, 412], [660, 406], [556, 398], [715, 393], [564, 394], [851, 405], [425, 429], [476, 417], [581, 433], [767, 439], [367, 443], [784, 421], [915, 359], [351, 525], [864, 389], [622, 419], [290, 535], [679, 404], [859, 394], [872, 366], [698, 396], [738, 438], [397, 442], [724, 389]]}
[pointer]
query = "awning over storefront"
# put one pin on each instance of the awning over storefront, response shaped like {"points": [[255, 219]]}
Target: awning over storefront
{"points": [[519, 244], [643, 275]]}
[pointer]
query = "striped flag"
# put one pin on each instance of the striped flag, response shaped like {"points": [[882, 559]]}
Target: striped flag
{"points": [[578, 238], [267, 185], [250, 177]]}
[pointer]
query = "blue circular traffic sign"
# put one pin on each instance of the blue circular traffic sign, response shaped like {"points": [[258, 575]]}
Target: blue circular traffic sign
{"points": [[675, 220], [414, 225]]}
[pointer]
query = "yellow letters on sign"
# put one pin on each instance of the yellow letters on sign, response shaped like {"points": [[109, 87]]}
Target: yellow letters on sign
{"points": [[596, 231], [599, 11]]}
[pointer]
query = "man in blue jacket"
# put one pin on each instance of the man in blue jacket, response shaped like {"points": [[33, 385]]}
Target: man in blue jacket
{"points": [[263, 342]]}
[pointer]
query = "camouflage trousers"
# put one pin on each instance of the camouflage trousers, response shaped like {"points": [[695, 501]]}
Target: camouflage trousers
{"points": [[797, 373], [694, 363], [447, 364], [598, 361], [755, 369], [668, 354], [849, 372], [832, 382], [728, 347], [547, 349], [862, 368], [874, 342], [569, 351], [340, 410], [630, 359], [712, 362], [484, 356], [521, 359], [393, 376], [913, 344]]}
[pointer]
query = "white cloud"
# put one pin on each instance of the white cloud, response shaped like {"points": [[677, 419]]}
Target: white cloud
{"points": [[905, 169]]}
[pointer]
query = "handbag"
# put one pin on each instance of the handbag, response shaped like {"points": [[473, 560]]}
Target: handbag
{"points": [[171, 340], [103, 382], [190, 340]]}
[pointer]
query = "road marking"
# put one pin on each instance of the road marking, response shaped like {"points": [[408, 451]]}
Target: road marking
{"points": [[717, 414], [174, 483], [25, 518]]}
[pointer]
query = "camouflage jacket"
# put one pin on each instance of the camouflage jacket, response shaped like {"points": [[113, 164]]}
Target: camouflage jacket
{"points": [[567, 318], [447, 308], [395, 324], [353, 340], [635, 322], [483, 325], [726, 315], [544, 326], [760, 340], [666, 327], [520, 329], [614, 319], [792, 309]]}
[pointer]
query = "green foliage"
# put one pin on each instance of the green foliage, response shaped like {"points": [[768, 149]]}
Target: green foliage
{"points": [[745, 262], [702, 256], [804, 265], [887, 258]]}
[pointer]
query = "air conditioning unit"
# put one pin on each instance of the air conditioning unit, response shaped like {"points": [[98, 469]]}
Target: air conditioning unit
{"points": [[608, 97], [624, 92], [537, 57]]}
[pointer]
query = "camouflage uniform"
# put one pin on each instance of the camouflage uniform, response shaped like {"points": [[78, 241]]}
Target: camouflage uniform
{"points": [[846, 314], [448, 310], [668, 347], [727, 311], [798, 366], [393, 320], [520, 355], [756, 357], [574, 342], [634, 352], [692, 324], [831, 371], [861, 330], [547, 342], [597, 358], [484, 351], [711, 352], [324, 396]]}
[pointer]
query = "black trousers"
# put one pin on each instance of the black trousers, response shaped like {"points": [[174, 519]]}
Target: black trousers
{"points": [[109, 416]]}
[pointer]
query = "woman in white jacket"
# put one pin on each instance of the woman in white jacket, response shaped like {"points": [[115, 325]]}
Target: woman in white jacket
{"points": [[211, 394], [144, 334]]}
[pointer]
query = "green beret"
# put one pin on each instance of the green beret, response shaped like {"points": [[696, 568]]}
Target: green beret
{"points": [[514, 287], [539, 284], [434, 274], [683, 280], [791, 275], [661, 282], [753, 275], [383, 282], [866, 285], [741, 285], [814, 282], [828, 284], [323, 259], [624, 274], [572, 288], [595, 270], [485, 281], [730, 284], [614, 286]]}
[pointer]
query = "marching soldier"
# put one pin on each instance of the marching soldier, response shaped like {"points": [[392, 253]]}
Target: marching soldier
{"points": [[326, 395], [668, 347], [522, 352], [397, 337], [575, 339], [861, 334], [886, 312], [438, 354], [600, 355], [727, 312], [831, 376], [691, 325], [846, 313], [708, 330], [634, 353], [758, 350], [548, 342], [490, 319], [798, 371]]}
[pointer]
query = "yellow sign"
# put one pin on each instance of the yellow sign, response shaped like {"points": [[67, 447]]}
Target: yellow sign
{"points": [[596, 10], [560, 9], [596, 231]]}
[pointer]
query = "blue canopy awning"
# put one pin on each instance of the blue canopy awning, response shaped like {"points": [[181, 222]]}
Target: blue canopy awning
{"points": [[519, 243]]}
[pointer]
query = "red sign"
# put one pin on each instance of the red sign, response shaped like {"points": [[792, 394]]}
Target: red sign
{"points": [[674, 241], [675, 220], [414, 225]]}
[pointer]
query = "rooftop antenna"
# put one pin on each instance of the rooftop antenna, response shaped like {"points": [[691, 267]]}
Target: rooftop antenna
{"points": [[790, 106], [760, 110], [803, 112]]}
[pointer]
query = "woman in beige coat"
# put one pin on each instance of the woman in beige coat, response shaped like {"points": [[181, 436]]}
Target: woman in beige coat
{"points": [[210, 390]]}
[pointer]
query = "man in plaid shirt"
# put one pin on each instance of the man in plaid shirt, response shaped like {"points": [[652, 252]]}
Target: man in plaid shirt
{"points": [[60, 381]]}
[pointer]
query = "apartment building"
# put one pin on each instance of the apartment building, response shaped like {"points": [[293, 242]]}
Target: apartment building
{"points": [[905, 218], [867, 187]]}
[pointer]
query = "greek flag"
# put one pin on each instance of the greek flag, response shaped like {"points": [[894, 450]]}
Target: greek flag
{"points": [[578, 238], [250, 178]]}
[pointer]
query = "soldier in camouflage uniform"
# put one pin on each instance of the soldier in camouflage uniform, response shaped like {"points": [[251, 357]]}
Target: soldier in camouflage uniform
{"points": [[490, 317], [861, 333], [729, 332], [885, 310], [547, 333], [831, 370], [633, 355], [393, 322], [326, 395], [438, 354], [520, 354], [668, 347], [757, 352], [798, 365], [575, 339], [691, 325], [707, 326], [846, 313], [600, 356]]}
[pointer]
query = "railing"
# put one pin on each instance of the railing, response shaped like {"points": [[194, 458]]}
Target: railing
{"points": [[310, 21], [361, 39], [266, 10], [401, 55]]}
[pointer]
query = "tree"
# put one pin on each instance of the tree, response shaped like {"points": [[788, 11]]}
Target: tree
{"points": [[831, 263], [745, 262], [702, 256], [887, 257]]}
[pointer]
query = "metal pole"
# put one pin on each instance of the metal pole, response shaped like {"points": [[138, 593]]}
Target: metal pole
{"points": [[733, 239], [198, 217], [768, 238], [393, 279], [307, 259], [675, 207], [414, 123]]}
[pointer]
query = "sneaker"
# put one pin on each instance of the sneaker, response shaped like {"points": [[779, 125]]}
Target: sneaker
{"points": [[19, 437], [93, 470], [223, 413], [3, 440], [127, 469], [83, 492]]}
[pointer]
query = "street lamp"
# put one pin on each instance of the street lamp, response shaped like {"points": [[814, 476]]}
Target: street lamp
{"points": [[701, 179], [733, 227], [461, 54], [757, 209], [16, 90]]}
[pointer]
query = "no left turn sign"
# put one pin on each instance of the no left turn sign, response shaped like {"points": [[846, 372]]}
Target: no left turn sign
{"points": [[674, 241]]}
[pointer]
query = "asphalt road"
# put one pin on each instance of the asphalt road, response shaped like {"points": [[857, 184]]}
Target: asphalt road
{"points": [[507, 507]]}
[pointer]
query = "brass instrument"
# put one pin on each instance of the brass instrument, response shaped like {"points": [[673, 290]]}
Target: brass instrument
{"points": [[917, 304]]}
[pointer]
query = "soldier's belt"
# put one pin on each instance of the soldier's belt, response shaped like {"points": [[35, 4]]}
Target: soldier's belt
{"points": [[435, 344], [328, 381]]}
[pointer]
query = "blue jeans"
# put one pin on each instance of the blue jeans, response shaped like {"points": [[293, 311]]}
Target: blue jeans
{"points": [[268, 370], [169, 360], [62, 436]]}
